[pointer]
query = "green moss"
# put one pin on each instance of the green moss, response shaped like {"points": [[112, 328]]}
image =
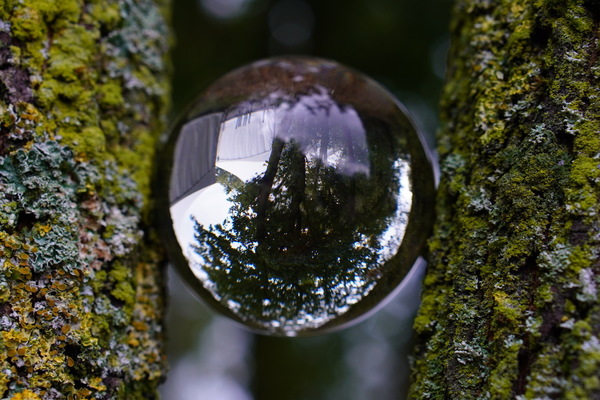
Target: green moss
{"points": [[139, 161], [98, 281], [107, 15], [502, 377], [110, 94], [59, 13], [119, 273], [27, 24], [124, 292], [89, 142], [509, 310]]}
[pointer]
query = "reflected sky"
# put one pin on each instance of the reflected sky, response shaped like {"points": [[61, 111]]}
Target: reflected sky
{"points": [[291, 206]]}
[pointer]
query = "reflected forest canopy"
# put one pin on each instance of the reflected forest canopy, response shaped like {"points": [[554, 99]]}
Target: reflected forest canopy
{"points": [[290, 198]]}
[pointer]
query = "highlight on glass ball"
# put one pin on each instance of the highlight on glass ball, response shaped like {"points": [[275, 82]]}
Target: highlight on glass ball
{"points": [[295, 195]]}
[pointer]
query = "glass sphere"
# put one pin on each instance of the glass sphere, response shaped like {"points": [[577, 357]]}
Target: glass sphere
{"points": [[294, 195]]}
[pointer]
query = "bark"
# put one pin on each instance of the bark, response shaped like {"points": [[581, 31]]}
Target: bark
{"points": [[510, 302], [83, 96]]}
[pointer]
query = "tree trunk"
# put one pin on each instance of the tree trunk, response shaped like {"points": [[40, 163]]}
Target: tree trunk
{"points": [[83, 96], [510, 303]]}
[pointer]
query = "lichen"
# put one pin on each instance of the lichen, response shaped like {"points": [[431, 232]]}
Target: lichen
{"points": [[513, 262], [80, 287]]}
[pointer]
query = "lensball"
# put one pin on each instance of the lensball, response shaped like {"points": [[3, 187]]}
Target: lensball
{"points": [[294, 195]]}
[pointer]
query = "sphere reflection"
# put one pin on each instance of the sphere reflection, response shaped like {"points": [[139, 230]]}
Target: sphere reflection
{"points": [[296, 195]]}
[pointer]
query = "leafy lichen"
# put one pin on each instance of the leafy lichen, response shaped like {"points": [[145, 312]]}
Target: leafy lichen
{"points": [[513, 270], [80, 292]]}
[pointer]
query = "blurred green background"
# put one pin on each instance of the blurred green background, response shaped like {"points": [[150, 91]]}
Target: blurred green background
{"points": [[400, 43]]}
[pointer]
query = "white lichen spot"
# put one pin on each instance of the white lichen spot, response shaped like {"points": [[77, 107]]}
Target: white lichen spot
{"points": [[568, 324], [7, 323], [588, 292], [539, 134], [467, 352], [555, 261], [480, 201], [511, 342], [533, 324], [591, 346], [4, 26], [574, 57]]}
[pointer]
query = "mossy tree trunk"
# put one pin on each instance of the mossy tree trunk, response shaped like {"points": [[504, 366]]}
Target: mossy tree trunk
{"points": [[511, 307], [83, 97]]}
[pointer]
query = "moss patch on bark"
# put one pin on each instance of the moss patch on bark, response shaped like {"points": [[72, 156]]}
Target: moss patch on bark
{"points": [[83, 99], [510, 305]]}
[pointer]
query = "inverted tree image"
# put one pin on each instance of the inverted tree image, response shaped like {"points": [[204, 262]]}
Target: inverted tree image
{"points": [[307, 237]]}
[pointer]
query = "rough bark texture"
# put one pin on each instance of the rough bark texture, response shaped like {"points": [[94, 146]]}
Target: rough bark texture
{"points": [[511, 306], [83, 96]]}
